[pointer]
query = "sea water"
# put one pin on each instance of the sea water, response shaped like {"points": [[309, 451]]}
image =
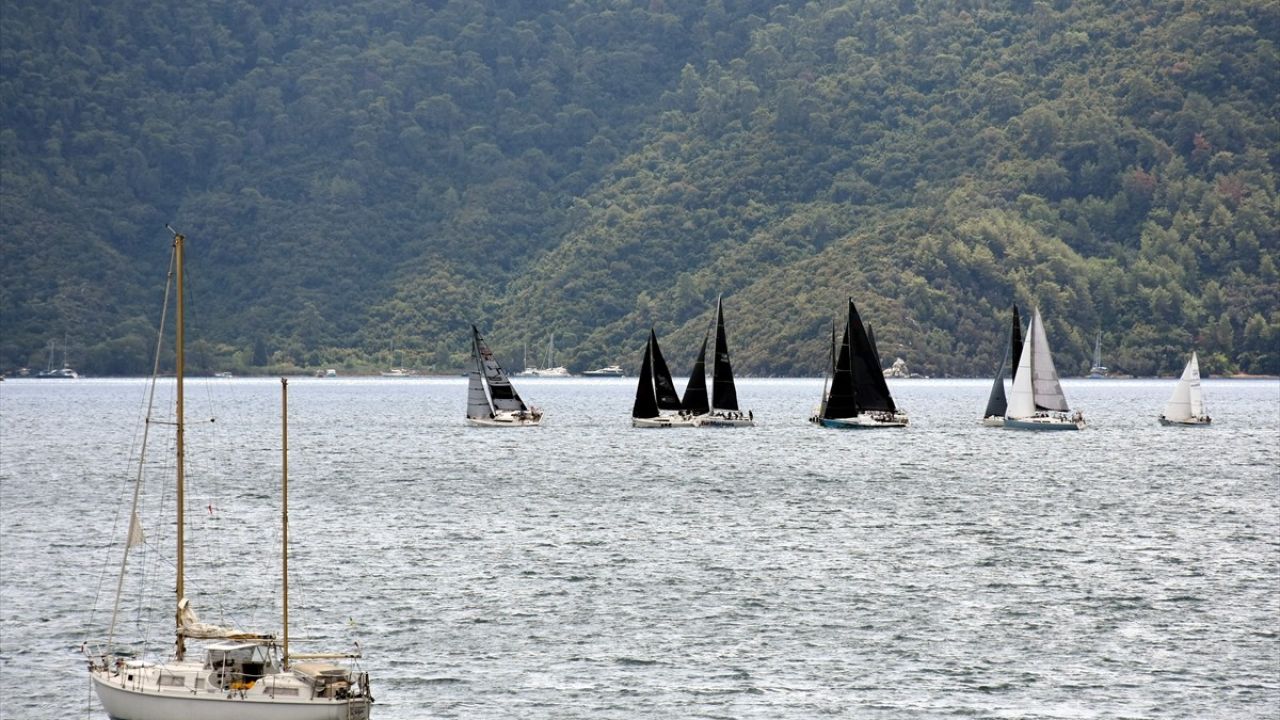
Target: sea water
{"points": [[585, 569]]}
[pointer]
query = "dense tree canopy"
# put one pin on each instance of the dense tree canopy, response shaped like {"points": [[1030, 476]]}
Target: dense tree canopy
{"points": [[361, 182]]}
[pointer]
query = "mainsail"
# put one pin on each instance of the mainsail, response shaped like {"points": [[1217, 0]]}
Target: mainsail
{"points": [[1188, 400], [695, 393], [663, 385], [841, 402], [501, 395], [724, 395], [646, 404], [1035, 383], [1016, 340], [997, 404]]}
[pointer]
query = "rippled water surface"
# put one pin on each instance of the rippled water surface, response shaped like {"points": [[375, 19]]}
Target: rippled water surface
{"points": [[588, 570]]}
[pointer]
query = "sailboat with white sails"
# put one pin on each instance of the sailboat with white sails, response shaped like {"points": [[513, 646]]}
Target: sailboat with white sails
{"points": [[1038, 402], [242, 675], [551, 370], [492, 401], [656, 403], [1186, 407], [997, 402], [858, 396]]}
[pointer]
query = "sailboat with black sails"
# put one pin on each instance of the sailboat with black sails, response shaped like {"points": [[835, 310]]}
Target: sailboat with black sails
{"points": [[858, 396], [243, 675], [656, 403], [997, 402]]}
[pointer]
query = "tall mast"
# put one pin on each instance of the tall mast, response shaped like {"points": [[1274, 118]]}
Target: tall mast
{"points": [[179, 370], [284, 512]]}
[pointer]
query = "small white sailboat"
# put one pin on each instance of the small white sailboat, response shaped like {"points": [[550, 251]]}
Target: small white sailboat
{"points": [[1038, 402], [243, 674], [492, 401], [997, 403], [1098, 371], [1186, 406], [656, 404], [724, 410], [551, 370], [858, 396]]}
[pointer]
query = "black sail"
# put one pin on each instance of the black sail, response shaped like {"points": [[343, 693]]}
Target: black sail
{"points": [[663, 385], [1015, 340], [868, 380], [841, 402], [724, 396], [695, 393], [997, 403], [646, 405]]}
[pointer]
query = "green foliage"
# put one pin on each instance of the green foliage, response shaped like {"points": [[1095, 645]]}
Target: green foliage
{"points": [[360, 183]]}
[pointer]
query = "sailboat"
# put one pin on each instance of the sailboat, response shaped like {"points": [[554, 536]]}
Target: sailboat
{"points": [[656, 404], [492, 401], [1098, 371], [1186, 406], [551, 370], [724, 410], [52, 372], [1038, 402], [242, 675], [997, 403], [858, 396]]}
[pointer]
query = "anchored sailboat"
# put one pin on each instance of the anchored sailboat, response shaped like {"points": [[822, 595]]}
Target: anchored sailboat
{"points": [[551, 370], [1038, 402], [492, 401], [656, 404], [997, 404], [858, 396], [243, 675], [724, 410], [1098, 371], [1186, 406]]}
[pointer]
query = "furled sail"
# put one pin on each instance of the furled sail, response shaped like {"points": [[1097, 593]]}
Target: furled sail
{"points": [[695, 393], [646, 403], [663, 385], [189, 625], [501, 393], [724, 395]]}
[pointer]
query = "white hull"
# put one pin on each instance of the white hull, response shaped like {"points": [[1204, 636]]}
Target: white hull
{"points": [[1188, 422], [725, 419], [1046, 421], [663, 421], [507, 419], [149, 701], [863, 421]]}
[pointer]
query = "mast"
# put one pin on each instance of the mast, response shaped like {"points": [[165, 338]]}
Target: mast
{"points": [[724, 396], [284, 514], [180, 648]]}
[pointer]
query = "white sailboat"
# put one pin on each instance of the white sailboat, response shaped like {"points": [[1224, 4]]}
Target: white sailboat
{"points": [[724, 410], [492, 401], [1097, 371], [1186, 406], [551, 370], [1037, 401], [242, 674]]}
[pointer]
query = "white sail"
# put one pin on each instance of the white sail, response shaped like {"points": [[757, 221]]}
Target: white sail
{"points": [[1187, 401], [477, 400], [1038, 388]]}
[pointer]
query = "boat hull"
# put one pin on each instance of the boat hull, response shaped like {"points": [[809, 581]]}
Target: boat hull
{"points": [[663, 421], [993, 421], [725, 419], [156, 703], [1202, 421], [863, 421], [1045, 422], [506, 420]]}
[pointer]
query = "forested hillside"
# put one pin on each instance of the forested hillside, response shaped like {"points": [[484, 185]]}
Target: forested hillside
{"points": [[359, 183]]}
